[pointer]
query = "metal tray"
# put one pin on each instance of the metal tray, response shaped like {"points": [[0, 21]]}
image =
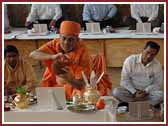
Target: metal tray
{"points": [[81, 108]]}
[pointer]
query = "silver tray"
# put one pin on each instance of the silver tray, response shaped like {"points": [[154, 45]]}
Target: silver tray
{"points": [[82, 108]]}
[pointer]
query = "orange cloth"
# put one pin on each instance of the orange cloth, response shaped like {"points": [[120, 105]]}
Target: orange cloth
{"points": [[22, 75], [81, 61], [98, 65], [70, 27]]}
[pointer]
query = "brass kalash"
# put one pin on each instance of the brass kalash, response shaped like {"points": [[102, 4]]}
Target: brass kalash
{"points": [[88, 101], [21, 99], [91, 94]]}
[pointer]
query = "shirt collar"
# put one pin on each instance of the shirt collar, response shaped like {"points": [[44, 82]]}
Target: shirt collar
{"points": [[139, 60], [17, 65]]}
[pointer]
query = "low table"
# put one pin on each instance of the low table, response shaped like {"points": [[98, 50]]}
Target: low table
{"points": [[34, 114]]}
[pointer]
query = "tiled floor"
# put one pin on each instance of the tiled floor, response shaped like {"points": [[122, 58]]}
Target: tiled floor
{"points": [[115, 75]]}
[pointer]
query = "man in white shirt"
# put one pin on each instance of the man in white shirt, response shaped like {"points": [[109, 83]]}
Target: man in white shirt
{"points": [[141, 77], [106, 14], [144, 13], [50, 14]]}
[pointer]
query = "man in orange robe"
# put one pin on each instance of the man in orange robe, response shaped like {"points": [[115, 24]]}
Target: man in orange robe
{"points": [[65, 59]]}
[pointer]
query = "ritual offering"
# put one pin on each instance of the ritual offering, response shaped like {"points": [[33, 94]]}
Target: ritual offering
{"points": [[31, 99], [90, 100], [6, 107], [21, 99], [91, 94], [82, 108], [77, 99], [100, 104]]}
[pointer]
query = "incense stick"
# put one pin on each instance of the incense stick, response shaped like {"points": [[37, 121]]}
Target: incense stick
{"points": [[99, 78], [85, 79]]}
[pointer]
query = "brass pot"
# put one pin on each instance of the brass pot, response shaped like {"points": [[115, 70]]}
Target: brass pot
{"points": [[21, 101], [91, 95]]}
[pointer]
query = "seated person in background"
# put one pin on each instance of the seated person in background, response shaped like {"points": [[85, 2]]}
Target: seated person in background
{"points": [[50, 14], [6, 20], [17, 72], [65, 59], [141, 77], [144, 13], [161, 28], [106, 14]]}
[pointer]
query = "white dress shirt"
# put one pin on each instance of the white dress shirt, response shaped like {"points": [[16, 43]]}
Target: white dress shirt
{"points": [[137, 76], [98, 11], [144, 10], [44, 11]]}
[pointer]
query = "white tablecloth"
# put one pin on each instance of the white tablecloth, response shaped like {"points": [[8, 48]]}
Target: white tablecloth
{"points": [[15, 32], [34, 114], [21, 34]]}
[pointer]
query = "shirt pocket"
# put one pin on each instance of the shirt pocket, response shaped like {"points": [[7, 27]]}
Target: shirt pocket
{"points": [[150, 77], [141, 79]]}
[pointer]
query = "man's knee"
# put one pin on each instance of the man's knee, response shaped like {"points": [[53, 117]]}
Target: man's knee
{"points": [[156, 94], [116, 92], [156, 97], [160, 96]]}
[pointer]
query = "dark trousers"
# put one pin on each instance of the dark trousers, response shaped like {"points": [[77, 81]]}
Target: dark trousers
{"points": [[46, 21], [131, 22]]}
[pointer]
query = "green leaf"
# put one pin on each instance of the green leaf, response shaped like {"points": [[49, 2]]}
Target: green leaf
{"points": [[20, 90]]}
